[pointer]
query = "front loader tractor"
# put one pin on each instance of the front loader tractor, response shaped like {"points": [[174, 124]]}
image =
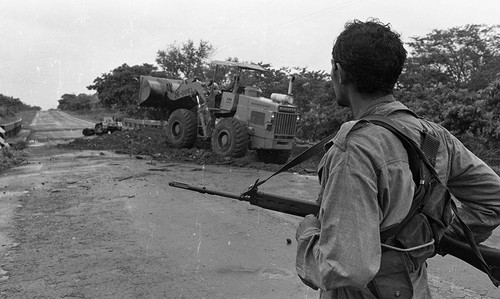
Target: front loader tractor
{"points": [[234, 117]]}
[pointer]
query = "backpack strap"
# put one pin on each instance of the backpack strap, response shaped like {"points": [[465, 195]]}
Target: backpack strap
{"points": [[415, 155]]}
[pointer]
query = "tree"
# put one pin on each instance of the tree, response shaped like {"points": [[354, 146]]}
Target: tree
{"points": [[66, 102], [311, 88], [491, 102], [450, 78], [9, 106], [78, 102], [459, 57], [119, 89], [185, 61]]}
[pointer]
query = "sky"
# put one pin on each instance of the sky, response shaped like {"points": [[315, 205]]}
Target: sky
{"points": [[53, 47]]}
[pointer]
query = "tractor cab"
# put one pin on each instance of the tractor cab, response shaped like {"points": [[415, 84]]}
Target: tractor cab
{"points": [[230, 80]]}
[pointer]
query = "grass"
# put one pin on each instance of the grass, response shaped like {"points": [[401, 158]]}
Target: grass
{"points": [[10, 157], [15, 154]]}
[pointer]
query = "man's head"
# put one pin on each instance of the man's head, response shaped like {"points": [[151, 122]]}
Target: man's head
{"points": [[370, 55]]}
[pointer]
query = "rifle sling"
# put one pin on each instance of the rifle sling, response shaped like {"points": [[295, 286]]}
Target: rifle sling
{"points": [[305, 155]]}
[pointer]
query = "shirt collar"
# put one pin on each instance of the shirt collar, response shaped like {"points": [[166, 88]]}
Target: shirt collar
{"points": [[385, 106]]}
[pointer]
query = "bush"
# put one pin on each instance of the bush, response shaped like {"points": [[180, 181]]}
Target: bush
{"points": [[10, 157]]}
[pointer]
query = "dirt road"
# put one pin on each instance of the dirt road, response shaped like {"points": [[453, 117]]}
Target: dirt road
{"points": [[95, 224], [52, 126], [99, 225]]}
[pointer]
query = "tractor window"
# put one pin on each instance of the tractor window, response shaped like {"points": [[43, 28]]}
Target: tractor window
{"points": [[241, 90]]}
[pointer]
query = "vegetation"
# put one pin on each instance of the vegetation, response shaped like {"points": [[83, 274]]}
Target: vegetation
{"points": [[185, 61], [10, 107], [119, 89], [460, 57], [10, 157], [453, 78], [79, 102]]}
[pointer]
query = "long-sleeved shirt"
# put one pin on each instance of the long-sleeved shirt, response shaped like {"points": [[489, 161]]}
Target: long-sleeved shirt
{"points": [[367, 185]]}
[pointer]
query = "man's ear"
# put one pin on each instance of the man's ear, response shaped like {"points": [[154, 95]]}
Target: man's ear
{"points": [[342, 78]]}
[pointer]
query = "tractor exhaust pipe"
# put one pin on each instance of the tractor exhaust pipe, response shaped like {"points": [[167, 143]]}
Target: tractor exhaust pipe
{"points": [[285, 98], [290, 84]]}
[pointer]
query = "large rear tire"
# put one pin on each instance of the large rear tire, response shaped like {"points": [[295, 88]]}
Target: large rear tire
{"points": [[274, 156], [182, 128], [230, 138]]}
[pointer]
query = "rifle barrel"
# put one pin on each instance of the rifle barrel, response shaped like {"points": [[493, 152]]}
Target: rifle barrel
{"points": [[205, 190]]}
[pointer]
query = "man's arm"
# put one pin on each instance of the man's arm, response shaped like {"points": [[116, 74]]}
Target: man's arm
{"points": [[344, 249], [364, 179], [477, 187]]}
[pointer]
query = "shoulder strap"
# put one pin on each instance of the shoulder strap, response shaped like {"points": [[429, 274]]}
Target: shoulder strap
{"points": [[415, 156], [427, 153]]}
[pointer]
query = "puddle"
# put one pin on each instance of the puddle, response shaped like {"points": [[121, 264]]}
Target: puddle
{"points": [[11, 194], [271, 273]]}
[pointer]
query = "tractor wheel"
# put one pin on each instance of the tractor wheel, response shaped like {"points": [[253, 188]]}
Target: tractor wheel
{"points": [[182, 128], [274, 156], [230, 138]]}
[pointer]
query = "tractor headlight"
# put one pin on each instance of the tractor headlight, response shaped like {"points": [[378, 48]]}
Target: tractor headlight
{"points": [[269, 125]]}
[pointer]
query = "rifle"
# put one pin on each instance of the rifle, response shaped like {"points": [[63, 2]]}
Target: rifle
{"points": [[298, 207]]}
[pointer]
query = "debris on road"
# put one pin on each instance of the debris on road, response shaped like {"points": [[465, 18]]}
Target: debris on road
{"points": [[107, 126]]}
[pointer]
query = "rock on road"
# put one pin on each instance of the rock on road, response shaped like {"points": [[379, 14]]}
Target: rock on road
{"points": [[95, 224]]}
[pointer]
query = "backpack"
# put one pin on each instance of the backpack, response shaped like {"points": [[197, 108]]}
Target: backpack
{"points": [[432, 208]]}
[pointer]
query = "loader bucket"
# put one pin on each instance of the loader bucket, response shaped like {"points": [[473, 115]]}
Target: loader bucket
{"points": [[154, 91]]}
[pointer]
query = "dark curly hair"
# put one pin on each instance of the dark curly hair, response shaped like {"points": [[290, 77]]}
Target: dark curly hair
{"points": [[371, 55]]}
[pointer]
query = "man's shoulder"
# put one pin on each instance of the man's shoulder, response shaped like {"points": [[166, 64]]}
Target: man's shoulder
{"points": [[345, 130], [364, 129], [362, 132], [353, 131]]}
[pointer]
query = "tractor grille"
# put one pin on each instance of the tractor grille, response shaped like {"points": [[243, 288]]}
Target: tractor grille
{"points": [[285, 124]]}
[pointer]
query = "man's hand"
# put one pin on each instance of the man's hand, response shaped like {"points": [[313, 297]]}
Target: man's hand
{"points": [[309, 222], [308, 226]]}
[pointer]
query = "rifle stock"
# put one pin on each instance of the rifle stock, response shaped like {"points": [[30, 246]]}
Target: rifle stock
{"points": [[298, 207], [279, 203]]}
